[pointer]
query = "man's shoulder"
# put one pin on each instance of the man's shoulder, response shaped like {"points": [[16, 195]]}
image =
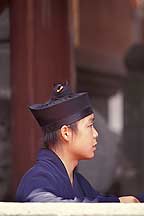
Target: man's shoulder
{"points": [[39, 171]]}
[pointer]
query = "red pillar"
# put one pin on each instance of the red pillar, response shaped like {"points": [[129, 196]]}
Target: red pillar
{"points": [[40, 55]]}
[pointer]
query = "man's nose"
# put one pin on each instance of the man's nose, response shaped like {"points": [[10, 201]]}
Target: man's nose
{"points": [[95, 133]]}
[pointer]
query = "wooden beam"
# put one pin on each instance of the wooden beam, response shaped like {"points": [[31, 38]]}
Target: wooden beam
{"points": [[40, 56]]}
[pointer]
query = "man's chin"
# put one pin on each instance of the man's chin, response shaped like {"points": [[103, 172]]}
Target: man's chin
{"points": [[89, 157]]}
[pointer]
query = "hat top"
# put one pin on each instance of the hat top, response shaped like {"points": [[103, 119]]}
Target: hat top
{"points": [[61, 92]]}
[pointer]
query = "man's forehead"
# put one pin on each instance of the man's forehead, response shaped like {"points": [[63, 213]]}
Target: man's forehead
{"points": [[91, 117], [87, 119]]}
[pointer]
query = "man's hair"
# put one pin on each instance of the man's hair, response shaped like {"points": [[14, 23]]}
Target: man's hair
{"points": [[51, 138]]}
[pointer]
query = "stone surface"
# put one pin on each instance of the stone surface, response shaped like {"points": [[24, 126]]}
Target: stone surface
{"points": [[5, 159], [4, 25], [70, 209], [4, 147]]}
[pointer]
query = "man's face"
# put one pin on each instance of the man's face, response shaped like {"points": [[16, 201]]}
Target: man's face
{"points": [[84, 142]]}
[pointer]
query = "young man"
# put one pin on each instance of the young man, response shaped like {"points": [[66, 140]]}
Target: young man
{"points": [[69, 136]]}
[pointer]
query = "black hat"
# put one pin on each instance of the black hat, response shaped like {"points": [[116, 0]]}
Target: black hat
{"points": [[63, 108]]}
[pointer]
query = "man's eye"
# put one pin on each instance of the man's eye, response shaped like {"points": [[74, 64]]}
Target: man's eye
{"points": [[91, 125]]}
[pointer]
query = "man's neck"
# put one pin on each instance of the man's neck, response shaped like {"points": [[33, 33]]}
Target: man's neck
{"points": [[68, 162]]}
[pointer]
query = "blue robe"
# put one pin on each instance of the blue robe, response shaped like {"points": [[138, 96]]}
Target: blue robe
{"points": [[48, 181]]}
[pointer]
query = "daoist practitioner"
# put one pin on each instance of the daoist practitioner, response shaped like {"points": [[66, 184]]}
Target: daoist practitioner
{"points": [[67, 122]]}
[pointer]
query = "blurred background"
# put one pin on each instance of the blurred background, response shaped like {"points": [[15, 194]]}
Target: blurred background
{"points": [[98, 46]]}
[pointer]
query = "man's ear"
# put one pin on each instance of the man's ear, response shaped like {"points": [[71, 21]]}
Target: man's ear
{"points": [[65, 132]]}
